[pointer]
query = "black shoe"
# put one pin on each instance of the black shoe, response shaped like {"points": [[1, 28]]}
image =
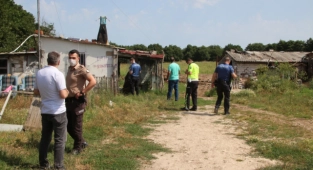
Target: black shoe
{"points": [[193, 109], [226, 113], [84, 145], [185, 109]]}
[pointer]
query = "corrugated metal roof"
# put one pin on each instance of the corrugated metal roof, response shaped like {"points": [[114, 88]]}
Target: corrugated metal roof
{"points": [[266, 56], [140, 53]]}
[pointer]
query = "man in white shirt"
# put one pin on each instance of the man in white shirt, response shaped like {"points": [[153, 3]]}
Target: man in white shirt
{"points": [[50, 85]]}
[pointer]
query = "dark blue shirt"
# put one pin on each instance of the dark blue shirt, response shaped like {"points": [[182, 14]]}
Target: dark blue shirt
{"points": [[224, 72], [135, 68]]}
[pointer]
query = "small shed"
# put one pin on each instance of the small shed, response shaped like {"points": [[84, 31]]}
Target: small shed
{"points": [[245, 63]]}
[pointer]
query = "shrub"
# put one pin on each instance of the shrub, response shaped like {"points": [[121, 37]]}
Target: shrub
{"points": [[245, 93]]}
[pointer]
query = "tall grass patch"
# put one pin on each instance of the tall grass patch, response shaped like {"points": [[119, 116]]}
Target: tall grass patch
{"points": [[275, 129]]}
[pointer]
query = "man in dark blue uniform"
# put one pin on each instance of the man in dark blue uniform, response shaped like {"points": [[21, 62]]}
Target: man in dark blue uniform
{"points": [[221, 79], [134, 71]]}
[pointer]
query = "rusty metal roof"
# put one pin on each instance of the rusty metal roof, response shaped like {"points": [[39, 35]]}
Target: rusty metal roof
{"points": [[140, 53], [266, 56]]}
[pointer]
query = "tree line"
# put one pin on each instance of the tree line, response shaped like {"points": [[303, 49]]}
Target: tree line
{"points": [[16, 24], [215, 52]]}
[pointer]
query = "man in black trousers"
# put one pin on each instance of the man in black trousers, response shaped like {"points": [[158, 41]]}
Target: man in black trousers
{"points": [[222, 79]]}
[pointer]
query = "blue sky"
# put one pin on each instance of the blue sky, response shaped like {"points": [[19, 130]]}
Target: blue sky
{"points": [[180, 22]]}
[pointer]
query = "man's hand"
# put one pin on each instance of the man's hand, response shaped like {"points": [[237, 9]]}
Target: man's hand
{"points": [[77, 95]]}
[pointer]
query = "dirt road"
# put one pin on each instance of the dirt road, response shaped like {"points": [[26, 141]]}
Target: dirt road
{"points": [[202, 140]]}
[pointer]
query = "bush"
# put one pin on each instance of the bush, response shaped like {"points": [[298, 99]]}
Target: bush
{"points": [[276, 80], [245, 93]]}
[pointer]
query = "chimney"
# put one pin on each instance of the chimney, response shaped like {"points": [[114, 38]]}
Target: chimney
{"points": [[102, 34]]}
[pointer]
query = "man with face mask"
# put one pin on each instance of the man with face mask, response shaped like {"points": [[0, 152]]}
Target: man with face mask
{"points": [[76, 102], [50, 85]]}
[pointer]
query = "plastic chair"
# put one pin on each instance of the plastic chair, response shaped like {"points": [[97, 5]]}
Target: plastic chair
{"points": [[28, 83]]}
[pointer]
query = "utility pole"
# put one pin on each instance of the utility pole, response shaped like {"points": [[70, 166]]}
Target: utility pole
{"points": [[38, 19]]}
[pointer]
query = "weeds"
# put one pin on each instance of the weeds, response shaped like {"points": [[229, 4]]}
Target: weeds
{"points": [[273, 131]]}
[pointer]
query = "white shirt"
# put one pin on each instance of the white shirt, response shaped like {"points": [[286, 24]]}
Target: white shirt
{"points": [[49, 82]]}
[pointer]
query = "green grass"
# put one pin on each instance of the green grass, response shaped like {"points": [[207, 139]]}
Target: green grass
{"points": [[116, 135], [206, 67], [276, 135]]}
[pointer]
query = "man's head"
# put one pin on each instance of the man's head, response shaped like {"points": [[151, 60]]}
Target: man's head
{"points": [[132, 60], [53, 58], [227, 60], [189, 61], [73, 57], [172, 59]]}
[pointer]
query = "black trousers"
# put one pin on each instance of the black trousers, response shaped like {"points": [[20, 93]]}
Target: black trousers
{"points": [[223, 90], [75, 109], [135, 85], [192, 90]]}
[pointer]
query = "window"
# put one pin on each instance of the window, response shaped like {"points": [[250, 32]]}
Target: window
{"points": [[82, 58], [3, 66]]}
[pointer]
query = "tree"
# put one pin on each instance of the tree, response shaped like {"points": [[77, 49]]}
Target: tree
{"points": [[269, 47], [173, 51], [231, 47], [16, 25], [298, 46], [215, 51], [255, 47], [47, 28], [138, 47], [156, 47], [202, 54], [189, 52], [309, 45]]}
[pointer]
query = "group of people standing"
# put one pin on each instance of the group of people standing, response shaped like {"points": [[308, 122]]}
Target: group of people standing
{"points": [[63, 103], [64, 98], [192, 73], [221, 79]]}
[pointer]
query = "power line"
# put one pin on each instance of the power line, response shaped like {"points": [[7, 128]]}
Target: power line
{"points": [[58, 17], [132, 21]]}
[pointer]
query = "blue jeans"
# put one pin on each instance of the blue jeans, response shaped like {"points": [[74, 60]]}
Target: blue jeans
{"points": [[172, 84], [50, 123]]}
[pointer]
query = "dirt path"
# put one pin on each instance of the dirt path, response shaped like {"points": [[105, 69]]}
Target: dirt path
{"points": [[201, 140]]}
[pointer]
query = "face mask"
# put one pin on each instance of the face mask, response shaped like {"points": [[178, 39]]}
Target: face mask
{"points": [[72, 62]]}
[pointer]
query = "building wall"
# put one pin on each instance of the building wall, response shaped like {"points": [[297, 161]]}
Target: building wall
{"points": [[99, 58]]}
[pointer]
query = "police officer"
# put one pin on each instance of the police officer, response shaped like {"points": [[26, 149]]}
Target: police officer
{"points": [[192, 85], [76, 102], [223, 74]]}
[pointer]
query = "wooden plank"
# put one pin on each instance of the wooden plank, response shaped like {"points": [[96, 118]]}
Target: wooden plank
{"points": [[33, 121]]}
